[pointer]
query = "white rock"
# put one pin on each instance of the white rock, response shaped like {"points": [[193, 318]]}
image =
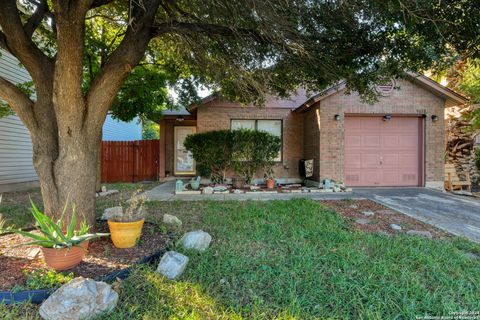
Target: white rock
{"points": [[425, 234], [104, 188], [207, 190], [172, 264], [171, 220], [79, 299], [107, 193], [368, 213], [395, 227], [112, 212], [197, 240]]}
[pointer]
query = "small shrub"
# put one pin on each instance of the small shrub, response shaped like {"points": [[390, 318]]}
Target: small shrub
{"points": [[212, 152], [46, 279], [254, 150]]}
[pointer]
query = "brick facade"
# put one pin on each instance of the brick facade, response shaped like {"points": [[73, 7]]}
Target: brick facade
{"points": [[218, 115], [314, 134], [410, 99]]}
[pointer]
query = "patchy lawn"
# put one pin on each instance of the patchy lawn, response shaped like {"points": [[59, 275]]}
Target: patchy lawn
{"points": [[15, 206], [298, 259]]}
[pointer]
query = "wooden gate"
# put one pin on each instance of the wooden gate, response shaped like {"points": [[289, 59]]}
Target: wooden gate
{"points": [[130, 161]]}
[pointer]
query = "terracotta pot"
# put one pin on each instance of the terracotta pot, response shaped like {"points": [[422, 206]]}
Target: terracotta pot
{"points": [[270, 183], [65, 258], [125, 234]]}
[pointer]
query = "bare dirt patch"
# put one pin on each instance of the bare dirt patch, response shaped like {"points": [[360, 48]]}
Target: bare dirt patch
{"points": [[357, 213]]}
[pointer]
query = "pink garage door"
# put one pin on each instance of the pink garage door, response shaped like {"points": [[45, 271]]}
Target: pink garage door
{"points": [[382, 153]]}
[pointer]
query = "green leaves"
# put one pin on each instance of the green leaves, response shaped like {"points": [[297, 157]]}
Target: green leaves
{"points": [[246, 151], [52, 234]]}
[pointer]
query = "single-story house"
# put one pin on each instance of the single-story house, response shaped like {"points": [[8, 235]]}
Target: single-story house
{"points": [[398, 141]]}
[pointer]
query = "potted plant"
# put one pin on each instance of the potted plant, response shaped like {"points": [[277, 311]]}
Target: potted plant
{"points": [[126, 228], [63, 246], [269, 179]]}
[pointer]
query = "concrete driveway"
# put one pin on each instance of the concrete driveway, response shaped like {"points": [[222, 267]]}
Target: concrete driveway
{"points": [[458, 215]]}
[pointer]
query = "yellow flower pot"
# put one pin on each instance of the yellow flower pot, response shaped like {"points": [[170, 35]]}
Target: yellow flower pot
{"points": [[125, 234]]}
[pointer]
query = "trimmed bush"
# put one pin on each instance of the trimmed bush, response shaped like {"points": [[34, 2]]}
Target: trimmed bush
{"points": [[212, 151], [245, 151], [254, 150]]}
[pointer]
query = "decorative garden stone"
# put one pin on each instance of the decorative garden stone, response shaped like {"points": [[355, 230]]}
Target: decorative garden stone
{"points": [[425, 234], [368, 213], [395, 227], [196, 240], [79, 299], [207, 190], [104, 189], [112, 212], [172, 220], [172, 264]]}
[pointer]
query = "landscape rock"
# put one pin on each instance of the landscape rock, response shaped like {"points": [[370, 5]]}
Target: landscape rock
{"points": [[112, 212], [425, 234], [368, 213], [196, 240], [237, 191], [104, 189], [354, 206], [363, 221], [172, 264], [395, 227], [107, 193], [207, 190], [172, 220], [81, 298]]}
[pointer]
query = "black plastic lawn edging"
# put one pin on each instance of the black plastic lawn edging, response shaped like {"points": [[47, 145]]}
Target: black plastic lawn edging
{"points": [[38, 296]]}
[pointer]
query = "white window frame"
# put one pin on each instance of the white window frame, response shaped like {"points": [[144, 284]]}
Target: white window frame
{"points": [[279, 159]]}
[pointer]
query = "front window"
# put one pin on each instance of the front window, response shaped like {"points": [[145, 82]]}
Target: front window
{"points": [[271, 126]]}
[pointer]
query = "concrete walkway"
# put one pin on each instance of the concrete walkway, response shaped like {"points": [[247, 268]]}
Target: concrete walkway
{"points": [[458, 215]]}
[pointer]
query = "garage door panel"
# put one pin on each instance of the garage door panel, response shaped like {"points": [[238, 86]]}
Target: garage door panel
{"points": [[382, 153]]}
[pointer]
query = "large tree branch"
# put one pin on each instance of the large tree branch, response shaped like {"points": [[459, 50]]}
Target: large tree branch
{"points": [[109, 80], [36, 18], [19, 102], [17, 41]]}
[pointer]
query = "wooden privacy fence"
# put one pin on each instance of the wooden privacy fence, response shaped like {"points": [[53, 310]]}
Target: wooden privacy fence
{"points": [[130, 161]]}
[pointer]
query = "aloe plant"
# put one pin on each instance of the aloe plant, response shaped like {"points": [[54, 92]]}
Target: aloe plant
{"points": [[51, 233]]}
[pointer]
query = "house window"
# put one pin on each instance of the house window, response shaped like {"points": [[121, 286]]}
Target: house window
{"points": [[271, 126]]}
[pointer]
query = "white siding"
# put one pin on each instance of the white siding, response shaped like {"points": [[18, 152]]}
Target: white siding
{"points": [[114, 130], [15, 143]]}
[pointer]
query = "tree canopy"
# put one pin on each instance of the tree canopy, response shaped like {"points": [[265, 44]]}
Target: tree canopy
{"points": [[86, 57]]}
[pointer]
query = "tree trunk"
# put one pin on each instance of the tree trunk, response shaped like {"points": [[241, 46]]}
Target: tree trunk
{"points": [[69, 178]]}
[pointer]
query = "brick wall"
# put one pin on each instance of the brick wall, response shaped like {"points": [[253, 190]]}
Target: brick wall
{"points": [[218, 116], [311, 138], [410, 99]]}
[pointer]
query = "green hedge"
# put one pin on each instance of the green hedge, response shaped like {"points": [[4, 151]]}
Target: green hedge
{"points": [[245, 151]]}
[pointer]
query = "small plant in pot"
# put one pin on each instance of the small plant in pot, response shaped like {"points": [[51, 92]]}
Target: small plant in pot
{"points": [[126, 228], [269, 179], [63, 246]]}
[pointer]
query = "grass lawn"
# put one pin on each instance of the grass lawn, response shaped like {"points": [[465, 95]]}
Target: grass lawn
{"points": [[15, 206], [298, 260]]}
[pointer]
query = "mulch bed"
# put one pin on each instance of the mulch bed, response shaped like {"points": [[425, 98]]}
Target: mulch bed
{"points": [[102, 257], [380, 222]]}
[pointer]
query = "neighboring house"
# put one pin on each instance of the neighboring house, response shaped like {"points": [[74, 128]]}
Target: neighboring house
{"points": [[16, 167], [398, 141], [116, 130]]}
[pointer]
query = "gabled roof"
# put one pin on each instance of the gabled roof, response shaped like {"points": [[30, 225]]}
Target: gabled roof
{"points": [[423, 81]]}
